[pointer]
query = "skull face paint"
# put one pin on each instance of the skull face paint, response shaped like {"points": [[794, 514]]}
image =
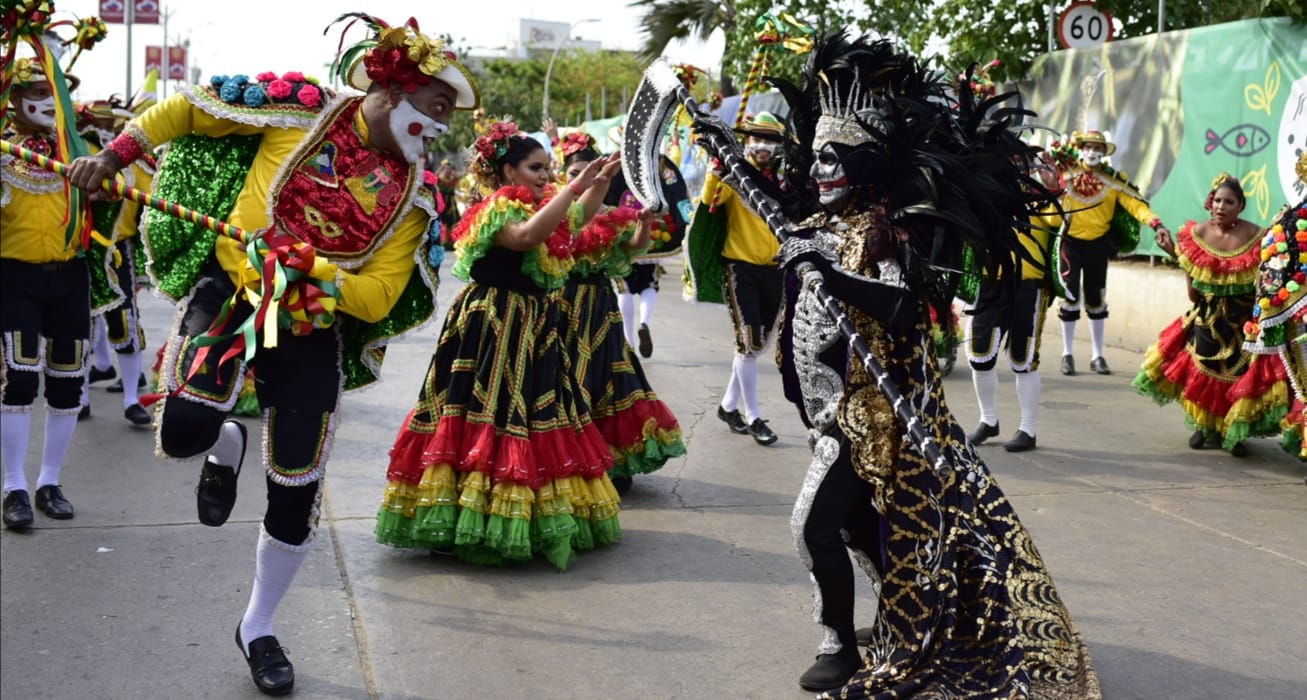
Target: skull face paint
{"points": [[411, 129], [828, 175]]}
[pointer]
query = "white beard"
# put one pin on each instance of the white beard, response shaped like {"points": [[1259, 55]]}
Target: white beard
{"points": [[34, 111], [413, 146], [1091, 158]]}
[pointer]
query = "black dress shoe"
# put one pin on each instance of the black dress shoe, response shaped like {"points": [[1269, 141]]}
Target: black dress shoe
{"points": [[646, 342], [99, 375], [137, 415], [18, 510], [215, 495], [84, 413], [1020, 442], [271, 671], [1068, 365], [1239, 450], [1099, 365], [50, 500], [831, 671], [983, 432], [622, 484], [761, 433], [1198, 440], [733, 420]]}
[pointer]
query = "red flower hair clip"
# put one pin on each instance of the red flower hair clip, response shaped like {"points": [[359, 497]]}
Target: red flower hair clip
{"points": [[494, 144], [576, 142]]}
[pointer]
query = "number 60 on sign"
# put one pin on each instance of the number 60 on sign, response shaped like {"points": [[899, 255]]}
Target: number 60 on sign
{"points": [[1081, 26]]}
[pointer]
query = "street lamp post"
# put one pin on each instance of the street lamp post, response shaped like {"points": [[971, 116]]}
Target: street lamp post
{"points": [[549, 70]]}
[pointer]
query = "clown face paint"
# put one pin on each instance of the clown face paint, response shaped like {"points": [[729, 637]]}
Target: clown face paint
{"points": [[760, 151], [38, 112], [1092, 154], [832, 184], [411, 130]]}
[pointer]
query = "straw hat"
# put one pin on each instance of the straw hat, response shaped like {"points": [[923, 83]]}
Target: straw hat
{"points": [[1097, 137]]}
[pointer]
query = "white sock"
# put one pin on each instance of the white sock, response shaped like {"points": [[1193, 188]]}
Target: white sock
{"points": [[746, 371], [647, 299], [731, 399], [229, 448], [1028, 398], [1096, 336], [86, 393], [58, 436], [275, 567], [1068, 337], [100, 341], [14, 429], [129, 365], [986, 383], [626, 304]]}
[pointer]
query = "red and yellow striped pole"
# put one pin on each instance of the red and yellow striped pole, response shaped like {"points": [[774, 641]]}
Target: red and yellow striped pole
{"points": [[122, 190]]}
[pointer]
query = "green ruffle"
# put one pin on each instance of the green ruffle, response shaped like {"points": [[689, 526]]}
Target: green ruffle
{"points": [[205, 174], [1224, 290], [1291, 441], [1144, 384], [1267, 424], [652, 458]]}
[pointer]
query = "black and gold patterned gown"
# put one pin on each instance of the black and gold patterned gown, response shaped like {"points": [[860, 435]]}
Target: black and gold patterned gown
{"points": [[967, 608]]}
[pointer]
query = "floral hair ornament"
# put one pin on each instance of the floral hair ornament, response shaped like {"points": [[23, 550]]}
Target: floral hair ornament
{"points": [[1219, 180], [576, 142], [402, 56], [493, 145]]}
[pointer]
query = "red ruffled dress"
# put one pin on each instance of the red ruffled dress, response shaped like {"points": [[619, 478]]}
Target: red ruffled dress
{"points": [[499, 460], [1200, 360], [640, 430]]}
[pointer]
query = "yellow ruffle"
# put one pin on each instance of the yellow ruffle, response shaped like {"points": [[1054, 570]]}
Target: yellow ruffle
{"points": [[590, 499]]}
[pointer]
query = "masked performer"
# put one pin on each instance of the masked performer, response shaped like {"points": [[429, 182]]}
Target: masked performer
{"points": [[903, 179], [499, 459], [336, 181], [1105, 211]]}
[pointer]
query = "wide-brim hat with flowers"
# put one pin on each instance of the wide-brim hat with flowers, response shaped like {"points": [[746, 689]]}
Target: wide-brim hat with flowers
{"points": [[763, 125], [403, 56], [1080, 139], [28, 71]]}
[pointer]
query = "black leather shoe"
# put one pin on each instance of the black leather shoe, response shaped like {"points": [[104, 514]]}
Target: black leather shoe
{"points": [[982, 433], [137, 415], [18, 510], [215, 496], [1021, 442], [50, 500], [1099, 365], [646, 341], [1239, 450], [831, 671], [733, 420], [1068, 365], [271, 671], [1198, 440], [117, 387], [99, 375], [84, 413], [761, 433], [622, 484]]}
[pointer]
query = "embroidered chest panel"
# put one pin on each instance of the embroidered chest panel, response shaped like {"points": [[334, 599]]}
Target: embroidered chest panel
{"points": [[338, 195], [25, 176]]}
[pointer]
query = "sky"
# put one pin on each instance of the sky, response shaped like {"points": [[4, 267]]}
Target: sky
{"points": [[251, 36]]}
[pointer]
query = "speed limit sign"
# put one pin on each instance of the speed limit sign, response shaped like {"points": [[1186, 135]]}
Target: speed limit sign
{"points": [[1081, 26]]}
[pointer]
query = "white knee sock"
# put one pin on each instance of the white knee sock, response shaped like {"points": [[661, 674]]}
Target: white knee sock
{"points": [[626, 304], [100, 341], [129, 365], [647, 299], [1096, 335], [1028, 397], [275, 567], [746, 370], [229, 448], [14, 429], [731, 399], [58, 436], [1068, 337], [986, 383]]}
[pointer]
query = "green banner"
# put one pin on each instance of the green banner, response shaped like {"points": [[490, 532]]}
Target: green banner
{"points": [[1183, 107]]}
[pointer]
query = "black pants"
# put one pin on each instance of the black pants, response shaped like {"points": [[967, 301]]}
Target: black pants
{"points": [[1084, 274], [45, 320], [753, 295], [841, 505], [1011, 316], [298, 386], [123, 321], [642, 277]]}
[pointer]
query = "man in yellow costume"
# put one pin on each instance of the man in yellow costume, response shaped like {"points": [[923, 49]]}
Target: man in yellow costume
{"points": [[1105, 211], [341, 174]]}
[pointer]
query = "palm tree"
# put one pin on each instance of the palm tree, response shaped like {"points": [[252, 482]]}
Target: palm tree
{"points": [[665, 20]]}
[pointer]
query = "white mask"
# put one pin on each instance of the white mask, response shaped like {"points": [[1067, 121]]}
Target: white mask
{"points": [[405, 120], [35, 111], [832, 183], [1091, 158]]}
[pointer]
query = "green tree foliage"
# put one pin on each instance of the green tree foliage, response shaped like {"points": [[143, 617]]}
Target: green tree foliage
{"points": [[516, 88]]}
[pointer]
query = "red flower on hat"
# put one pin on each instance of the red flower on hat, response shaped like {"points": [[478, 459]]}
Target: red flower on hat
{"points": [[309, 95], [279, 89]]}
